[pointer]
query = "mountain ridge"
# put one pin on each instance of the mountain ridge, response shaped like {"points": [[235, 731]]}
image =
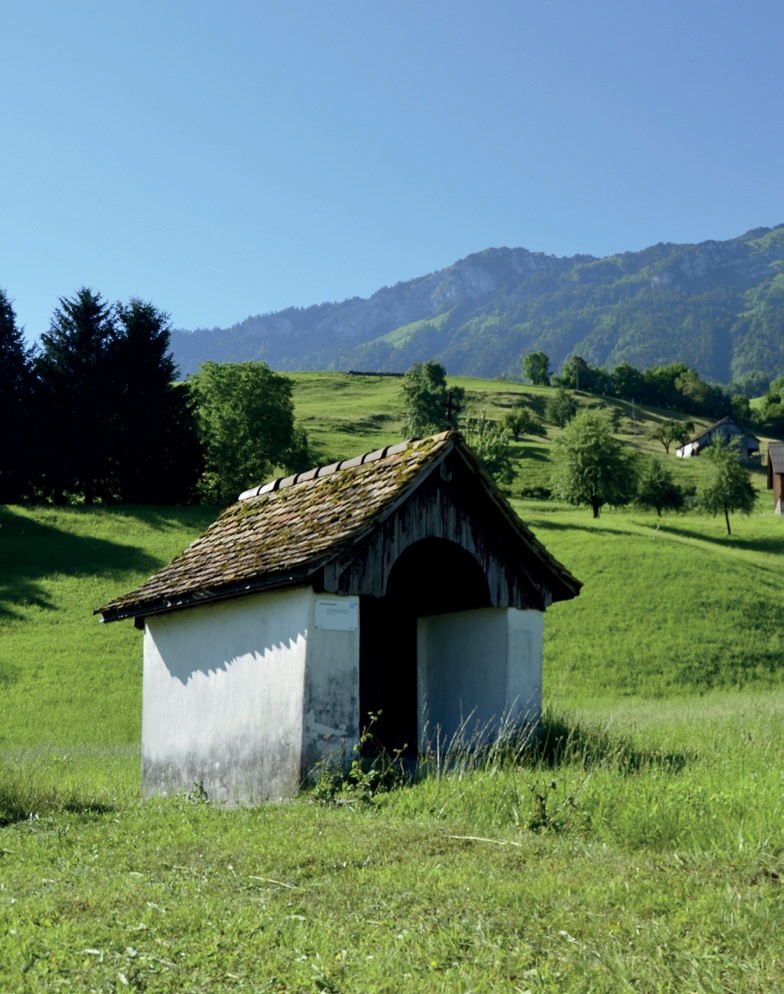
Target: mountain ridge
{"points": [[716, 305]]}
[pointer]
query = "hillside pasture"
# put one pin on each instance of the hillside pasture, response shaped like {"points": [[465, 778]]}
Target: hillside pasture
{"points": [[669, 605], [346, 415], [636, 845]]}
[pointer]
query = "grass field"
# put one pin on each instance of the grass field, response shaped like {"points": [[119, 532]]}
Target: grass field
{"points": [[347, 415], [640, 849]]}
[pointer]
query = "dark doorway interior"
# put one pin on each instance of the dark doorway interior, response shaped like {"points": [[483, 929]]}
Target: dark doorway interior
{"points": [[433, 576]]}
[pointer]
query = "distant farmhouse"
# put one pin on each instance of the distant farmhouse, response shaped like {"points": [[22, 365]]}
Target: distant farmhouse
{"points": [[776, 473], [399, 582], [722, 433]]}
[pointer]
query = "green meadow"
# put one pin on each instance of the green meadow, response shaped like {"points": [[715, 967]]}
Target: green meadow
{"points": [[637, 845], [345, 416]]}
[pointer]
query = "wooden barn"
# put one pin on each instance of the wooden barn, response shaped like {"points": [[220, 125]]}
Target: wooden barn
{"points": [[722, 433], [776, 472], [399, 581]]}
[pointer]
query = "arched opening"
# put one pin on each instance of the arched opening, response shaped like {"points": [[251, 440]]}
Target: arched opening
{"points": [[433, 576]]}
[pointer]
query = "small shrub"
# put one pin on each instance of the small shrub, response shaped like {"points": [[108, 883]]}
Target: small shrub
{"points": [[536, 493]]}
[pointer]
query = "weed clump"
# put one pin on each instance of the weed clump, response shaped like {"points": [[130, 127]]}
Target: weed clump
{"points": [[373, 770]]}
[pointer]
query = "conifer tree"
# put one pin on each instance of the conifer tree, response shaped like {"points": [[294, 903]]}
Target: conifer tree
{"points": [[16, 383], [77, 402], [157, 455]]}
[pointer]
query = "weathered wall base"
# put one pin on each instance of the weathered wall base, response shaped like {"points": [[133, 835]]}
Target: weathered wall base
{"points": [[239, 697]]}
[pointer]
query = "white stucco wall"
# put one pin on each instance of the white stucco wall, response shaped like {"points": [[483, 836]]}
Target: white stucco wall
{"points": [[246, 696], [240, 695], [485, 663]]}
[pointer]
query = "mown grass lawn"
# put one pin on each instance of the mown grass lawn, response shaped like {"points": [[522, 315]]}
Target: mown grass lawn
{"points": [[642, 850]]}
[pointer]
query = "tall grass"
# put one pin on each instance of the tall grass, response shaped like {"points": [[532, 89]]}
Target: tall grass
{"points": [[605, 857], [716, 791], [41, 782]]}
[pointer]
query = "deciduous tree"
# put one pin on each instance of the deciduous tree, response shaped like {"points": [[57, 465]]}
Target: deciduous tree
{"points": [[520, 421], [536, 368], [728, 488], [590, 466], [490, 442], [657, 488], [670, 431], [699, 397], [246, 422], [560, 408], [627, 382], [430, 406], [771, 416], [741, 408], [659, 383], [577, 374]]}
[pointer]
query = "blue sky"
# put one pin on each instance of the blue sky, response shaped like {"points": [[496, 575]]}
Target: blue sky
{"points": [[234, 158]]}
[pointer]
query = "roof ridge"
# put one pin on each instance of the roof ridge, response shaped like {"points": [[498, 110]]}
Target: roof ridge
{"points": [[716, 424], [319, 471]]}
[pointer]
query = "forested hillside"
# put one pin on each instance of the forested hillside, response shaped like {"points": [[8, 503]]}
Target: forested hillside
{"points": [[717, 306]]}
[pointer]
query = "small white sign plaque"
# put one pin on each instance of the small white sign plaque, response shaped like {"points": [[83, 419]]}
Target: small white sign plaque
{"points": [[337, 615]]}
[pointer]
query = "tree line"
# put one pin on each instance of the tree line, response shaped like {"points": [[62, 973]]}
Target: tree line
{"points": [[94, 413], [676, 387]]}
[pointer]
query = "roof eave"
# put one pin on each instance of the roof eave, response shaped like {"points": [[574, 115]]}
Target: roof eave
{"points": [[196, 598]]}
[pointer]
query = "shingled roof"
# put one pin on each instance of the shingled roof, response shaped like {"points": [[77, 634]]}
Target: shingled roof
{"points": [[775, 459], [729, 422], [284, 532]]}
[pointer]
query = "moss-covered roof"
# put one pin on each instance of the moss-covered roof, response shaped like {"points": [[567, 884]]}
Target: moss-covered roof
{"points": [[283, 532]]}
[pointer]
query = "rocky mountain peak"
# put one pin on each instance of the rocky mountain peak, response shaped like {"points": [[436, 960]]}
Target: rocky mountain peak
{"points": [[717, 306]]}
